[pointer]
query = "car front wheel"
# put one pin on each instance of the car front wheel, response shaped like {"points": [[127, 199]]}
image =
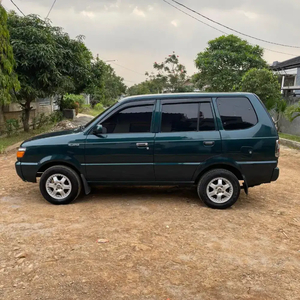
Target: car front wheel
{"points": [[219, 188], [60, 185]]}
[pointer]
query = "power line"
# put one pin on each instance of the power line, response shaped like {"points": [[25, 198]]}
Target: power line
{"points": [[128, 69], [290, 54], [17, 7], [51, 8], [194, 17], [232, 29], [113, 62]]}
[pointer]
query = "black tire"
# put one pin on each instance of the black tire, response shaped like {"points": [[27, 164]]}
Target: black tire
{"points": [[73, 181], [211, 178]]}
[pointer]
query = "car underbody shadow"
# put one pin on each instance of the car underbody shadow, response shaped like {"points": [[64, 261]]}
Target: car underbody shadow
{"points": [[142, 193]]}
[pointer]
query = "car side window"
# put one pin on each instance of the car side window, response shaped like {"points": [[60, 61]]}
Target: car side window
{"points": [[180, 117], [236, 113], [130, 120], [206, 118]]}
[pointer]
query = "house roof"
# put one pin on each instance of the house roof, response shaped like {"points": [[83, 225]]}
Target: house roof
{"points": [[288, 64]]}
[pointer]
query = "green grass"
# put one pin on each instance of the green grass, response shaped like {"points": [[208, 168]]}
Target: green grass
{"points": [[90, 111], [93, 112], [18, 138], [295, 138]]}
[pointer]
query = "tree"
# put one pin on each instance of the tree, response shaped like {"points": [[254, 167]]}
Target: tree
{"points": [[265, 85], [105, 86], [8, 78], [48, 62], [225, 61], [75, 64], [143, 88], [138, 89], [96, 84], [114, 86], [169, 76]]}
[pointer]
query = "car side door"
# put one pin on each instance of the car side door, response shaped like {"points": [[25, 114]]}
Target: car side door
{"points": [[124, 151], [187, 137]]}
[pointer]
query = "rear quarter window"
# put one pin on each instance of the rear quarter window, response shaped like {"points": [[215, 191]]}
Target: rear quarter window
{"points": [[236, 113]]}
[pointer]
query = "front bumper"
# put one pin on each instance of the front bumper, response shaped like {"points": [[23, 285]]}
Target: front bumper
{"points": [[19, 170], [275, 174], [26, 171]]}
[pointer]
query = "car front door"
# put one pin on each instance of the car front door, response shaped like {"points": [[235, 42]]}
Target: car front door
{"points": [[186, 137], [124, 151]]}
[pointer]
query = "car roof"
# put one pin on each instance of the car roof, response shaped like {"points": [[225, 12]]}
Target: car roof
{"points": [[180, 96]]}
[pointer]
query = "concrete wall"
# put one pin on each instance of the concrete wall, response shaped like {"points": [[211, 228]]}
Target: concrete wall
{"points": [[13, 111], [87, 98], [285, 126], [290, 127], [46, 109], [13, 115]]}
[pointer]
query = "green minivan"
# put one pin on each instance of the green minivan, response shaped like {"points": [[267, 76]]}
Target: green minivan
{"points": [[219, 142]]}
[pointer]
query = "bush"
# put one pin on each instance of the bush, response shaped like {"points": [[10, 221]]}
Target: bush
{"points": [[56, 117], [34, 122], [108, 102], [84, 108], [293, 112], [68, 104], [99, 107], [94, 102], [12, 126], [264, 84], [71, 101], [42, 120]]}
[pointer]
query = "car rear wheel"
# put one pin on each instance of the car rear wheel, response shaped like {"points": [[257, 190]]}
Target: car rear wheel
{"points": [[219, 188], [60, 185]]}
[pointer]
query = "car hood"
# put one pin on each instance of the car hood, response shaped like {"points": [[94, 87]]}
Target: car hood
{"points": [[51, 134]]}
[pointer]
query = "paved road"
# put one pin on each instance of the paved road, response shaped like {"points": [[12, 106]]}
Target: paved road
{"points": [[82, 119]]}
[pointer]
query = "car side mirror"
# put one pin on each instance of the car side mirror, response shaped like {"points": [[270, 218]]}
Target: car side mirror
{"points": [[99, 129]]}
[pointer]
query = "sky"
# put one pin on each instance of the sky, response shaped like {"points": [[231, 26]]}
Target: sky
{"points": [[137, 33]]}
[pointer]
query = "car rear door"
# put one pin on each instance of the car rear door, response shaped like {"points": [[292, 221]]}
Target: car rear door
{"points": [[187, 136], [248, 136]]}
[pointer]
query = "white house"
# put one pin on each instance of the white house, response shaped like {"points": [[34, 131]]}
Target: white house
{"points": [[289, 71]]}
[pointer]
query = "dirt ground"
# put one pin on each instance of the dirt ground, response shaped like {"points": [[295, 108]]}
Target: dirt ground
{"points": [[163, 243]]}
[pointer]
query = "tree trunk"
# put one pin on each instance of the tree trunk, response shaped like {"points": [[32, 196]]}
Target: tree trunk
{"points": [[26, 115]]}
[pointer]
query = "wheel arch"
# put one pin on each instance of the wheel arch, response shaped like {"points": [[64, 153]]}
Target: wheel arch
{"points": [[53, 163], [228, 167], [50, 164]]}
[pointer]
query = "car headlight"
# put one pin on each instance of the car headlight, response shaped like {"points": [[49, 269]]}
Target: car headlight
{"points": [[21, 152]]}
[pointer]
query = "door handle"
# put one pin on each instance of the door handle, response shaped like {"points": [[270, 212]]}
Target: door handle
{"points": [[142, 145], [209, 143]]}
